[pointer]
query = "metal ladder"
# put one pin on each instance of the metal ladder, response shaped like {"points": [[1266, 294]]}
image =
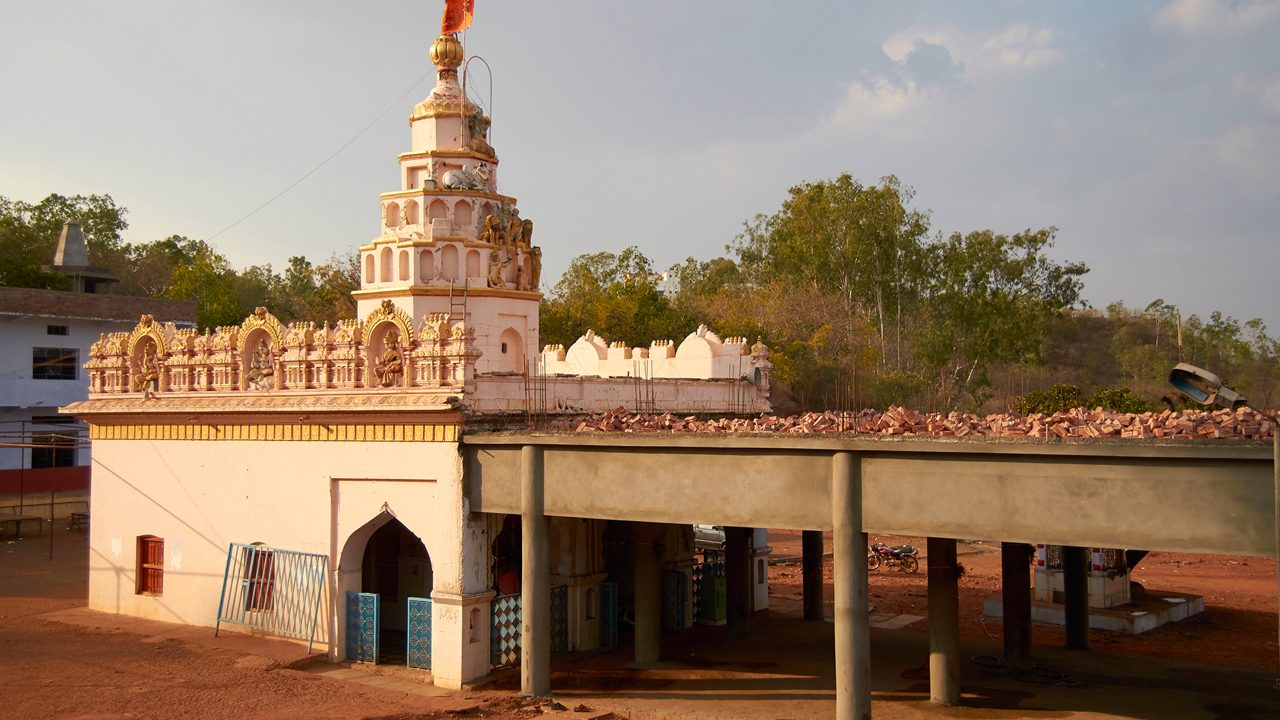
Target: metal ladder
{"points": [[458, 301]]}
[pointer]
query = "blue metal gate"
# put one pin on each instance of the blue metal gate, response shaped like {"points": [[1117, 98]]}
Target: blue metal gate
{"points": [[504, 640], [418, 640], [273, 590], [560, 619], [609, 614], [362, 627], [674, 596], [709, 589]]}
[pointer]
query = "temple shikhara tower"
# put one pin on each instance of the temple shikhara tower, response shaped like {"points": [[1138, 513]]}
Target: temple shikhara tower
{"points": [[450, 243], [306, 480]]}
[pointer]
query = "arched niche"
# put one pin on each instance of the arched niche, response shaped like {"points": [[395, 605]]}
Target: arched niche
{"points": [[368, 268], [411, 215], [387, 366], [449, 262], [426, 266], [437, 210], [404, 266], [511, 270], [385, 256], [462, 215], [510, 351], [391, 215], [144, 363], [473, 263], [258, 360]]}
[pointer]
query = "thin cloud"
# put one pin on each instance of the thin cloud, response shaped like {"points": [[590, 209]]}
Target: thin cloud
{"points": [[981, 57], [1204, 17]]}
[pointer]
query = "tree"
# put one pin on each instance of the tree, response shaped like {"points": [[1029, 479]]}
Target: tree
{"points": [[990, 298], [29, 236], [616, 296], [861, 244], [206, 277]]}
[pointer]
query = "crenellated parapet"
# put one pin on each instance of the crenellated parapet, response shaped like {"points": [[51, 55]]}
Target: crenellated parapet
{"points": [[701, 355], [385, 350]]}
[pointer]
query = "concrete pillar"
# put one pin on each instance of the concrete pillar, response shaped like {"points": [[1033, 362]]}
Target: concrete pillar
{"points": [[1015, 591], [535, 579], [1075, 581], [944, 622], [648, 589], [814, 606], [737, 569], [852, 621]]}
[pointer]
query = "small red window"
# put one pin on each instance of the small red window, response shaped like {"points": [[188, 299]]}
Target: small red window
{"points": [[150, 565], [260, 578]]}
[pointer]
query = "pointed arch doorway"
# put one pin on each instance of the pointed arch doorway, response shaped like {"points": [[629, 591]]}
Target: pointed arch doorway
{"points": [[392, 609]]}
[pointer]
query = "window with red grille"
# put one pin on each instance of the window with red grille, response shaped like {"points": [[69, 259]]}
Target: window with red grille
{"points": [[150, 565]]}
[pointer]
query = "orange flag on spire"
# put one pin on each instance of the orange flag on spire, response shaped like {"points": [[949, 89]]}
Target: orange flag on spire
{"points": [[457, 15]]}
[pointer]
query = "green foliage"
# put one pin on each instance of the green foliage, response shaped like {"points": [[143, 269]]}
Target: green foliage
{"points": [[174, 267], [29, 236], [1119, 400], [845, 281], [1059, 398], [616, 296]]}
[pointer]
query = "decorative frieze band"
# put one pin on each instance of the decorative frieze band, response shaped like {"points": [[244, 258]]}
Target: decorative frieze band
{"points": [[297, 432]]}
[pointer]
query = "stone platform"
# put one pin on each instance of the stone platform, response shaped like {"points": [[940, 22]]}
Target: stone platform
{"points": [[1156, 608]]}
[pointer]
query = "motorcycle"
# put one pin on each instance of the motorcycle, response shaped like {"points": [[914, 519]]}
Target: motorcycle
{"points": [[904, 557]]}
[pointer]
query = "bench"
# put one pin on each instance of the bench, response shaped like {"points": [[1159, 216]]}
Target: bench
{"points": [[78, 521], [16, 521]]}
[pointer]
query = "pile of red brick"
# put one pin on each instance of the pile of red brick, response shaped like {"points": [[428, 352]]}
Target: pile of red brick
{"points": [[1241, 424]]}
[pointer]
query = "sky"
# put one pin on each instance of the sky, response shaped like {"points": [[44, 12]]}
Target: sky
{"points": [[1148, 134]]}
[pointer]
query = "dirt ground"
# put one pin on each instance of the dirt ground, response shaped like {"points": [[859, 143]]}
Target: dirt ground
{"points": [[60, 660], [1236, 629]]}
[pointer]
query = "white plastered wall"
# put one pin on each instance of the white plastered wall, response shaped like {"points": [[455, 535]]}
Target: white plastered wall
{"points": [[199, 496]]}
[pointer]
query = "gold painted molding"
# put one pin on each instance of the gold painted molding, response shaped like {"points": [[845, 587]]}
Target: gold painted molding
{"points": [[428, 290], [421, 154], [294, 432], [415, 193]]}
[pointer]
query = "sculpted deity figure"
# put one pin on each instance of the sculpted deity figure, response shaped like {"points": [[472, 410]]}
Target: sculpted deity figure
{"points": [[535, 268], [514, 231], [147, 378], [491, 233], [526, 233], [390, 367], [495, 268], [261, 372]]}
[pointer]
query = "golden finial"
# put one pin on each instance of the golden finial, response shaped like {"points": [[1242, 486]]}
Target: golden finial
{"points": [[446, 52]]}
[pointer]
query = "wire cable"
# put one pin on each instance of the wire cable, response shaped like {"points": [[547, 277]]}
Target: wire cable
{"points": [[332, 155]]}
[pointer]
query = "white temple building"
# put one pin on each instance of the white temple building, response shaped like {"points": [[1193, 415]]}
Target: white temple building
{"points": [[306, 479]]}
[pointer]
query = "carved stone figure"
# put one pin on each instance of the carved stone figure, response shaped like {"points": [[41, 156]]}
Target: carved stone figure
{"points": [[430, 180], [261, 372], [495, 269], [491, 233], [390, 367], [535, 268], [466, 178], [526, 233], [514, 231], [147, 378], [477, 131]]}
